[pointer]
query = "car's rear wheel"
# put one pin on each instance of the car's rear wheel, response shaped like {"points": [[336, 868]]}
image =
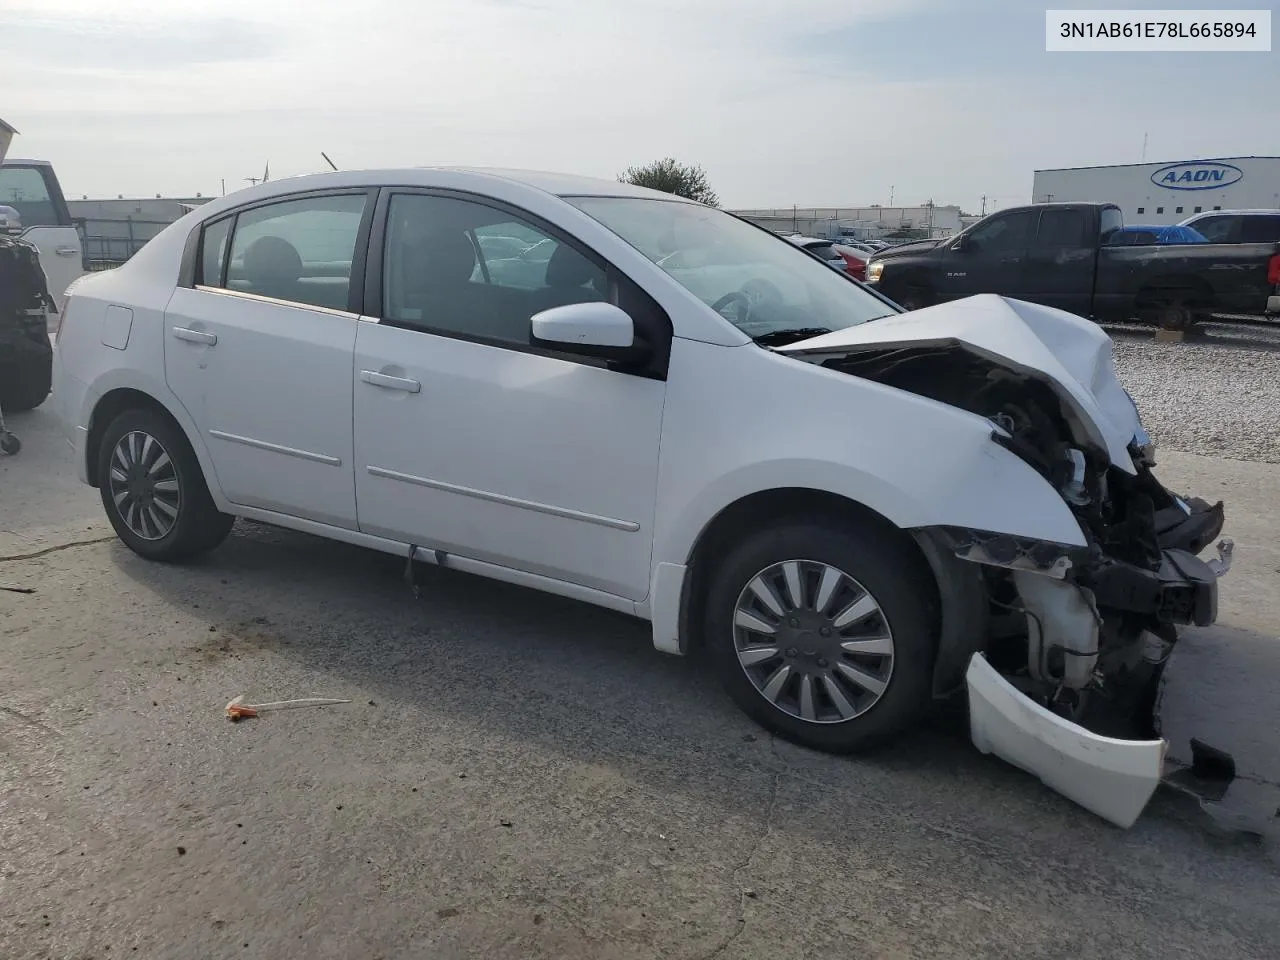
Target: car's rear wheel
{"points": [[154, 491], [825, 635]]}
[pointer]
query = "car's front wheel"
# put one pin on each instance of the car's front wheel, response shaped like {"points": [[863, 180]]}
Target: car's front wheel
{"points": [[154, 491], [824, 634]]}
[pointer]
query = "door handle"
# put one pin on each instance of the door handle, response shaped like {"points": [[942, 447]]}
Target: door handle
{"points": [[195, 336], [389, 382], [66, 251]]}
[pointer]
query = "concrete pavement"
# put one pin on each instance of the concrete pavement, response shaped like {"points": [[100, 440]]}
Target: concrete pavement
{"points": [[520, 776]]}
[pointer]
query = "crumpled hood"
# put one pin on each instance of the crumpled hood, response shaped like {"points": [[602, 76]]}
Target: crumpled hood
{"points": [[1071, 354]]}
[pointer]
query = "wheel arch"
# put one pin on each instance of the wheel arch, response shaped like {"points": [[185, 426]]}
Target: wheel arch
{"points": [[120, 398], [777, 505]]}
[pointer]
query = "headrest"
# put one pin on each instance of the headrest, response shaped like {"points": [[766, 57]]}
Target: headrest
{"points": [[445, 257], [568, 269], [271, 258]]}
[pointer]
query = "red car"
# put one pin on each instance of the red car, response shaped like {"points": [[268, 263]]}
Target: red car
{"points": [[854, 259]]}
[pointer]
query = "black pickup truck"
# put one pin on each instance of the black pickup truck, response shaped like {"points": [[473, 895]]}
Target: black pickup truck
{"points": [[1057, 254]]}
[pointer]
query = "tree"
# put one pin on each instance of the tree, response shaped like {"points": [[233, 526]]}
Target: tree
{"points": [[671, 176]]}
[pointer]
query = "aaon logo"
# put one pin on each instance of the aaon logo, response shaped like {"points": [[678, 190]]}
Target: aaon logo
{"points": [[1197, 175]]}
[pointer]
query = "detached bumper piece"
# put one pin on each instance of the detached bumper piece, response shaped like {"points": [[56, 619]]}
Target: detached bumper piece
{"points": [[1111, 778]]}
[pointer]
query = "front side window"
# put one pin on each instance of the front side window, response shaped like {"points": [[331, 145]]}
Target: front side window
{"points": [[764, 284], [295, 250], [1008, 234], [460, 267], [26, 190]]}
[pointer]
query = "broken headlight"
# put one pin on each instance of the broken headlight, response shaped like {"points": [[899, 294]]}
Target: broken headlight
{"points": [[1014, 553]]}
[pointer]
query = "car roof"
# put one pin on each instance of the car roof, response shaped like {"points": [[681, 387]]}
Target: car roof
{"points": [[556, 184]]}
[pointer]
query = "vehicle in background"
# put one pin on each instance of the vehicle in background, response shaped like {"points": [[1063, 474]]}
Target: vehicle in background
{"points": [[31, 187], [1057, 254], [855, 260], [1155, 235], [1237, 226], [822, 249]]}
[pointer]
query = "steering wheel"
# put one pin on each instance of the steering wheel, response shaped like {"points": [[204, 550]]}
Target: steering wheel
{"points": [[760, 292], [738, 297]]}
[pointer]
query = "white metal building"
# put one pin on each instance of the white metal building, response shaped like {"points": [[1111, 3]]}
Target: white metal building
{"points": [[1167, 192]]}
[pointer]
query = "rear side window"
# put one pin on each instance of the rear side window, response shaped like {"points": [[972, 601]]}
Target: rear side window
{"points": [[295, 250], [1260, 229], [1110, 219], [213, 252], [1061, 228], [26, 189]]}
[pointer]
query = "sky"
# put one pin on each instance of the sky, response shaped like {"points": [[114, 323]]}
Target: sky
{"points": [[807, 102]]}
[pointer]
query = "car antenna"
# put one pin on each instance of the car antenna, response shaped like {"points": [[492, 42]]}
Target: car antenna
{"points": [[328, 161]]}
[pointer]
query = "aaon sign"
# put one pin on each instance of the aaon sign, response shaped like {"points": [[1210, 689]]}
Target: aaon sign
{"points": [[1197, 175]]}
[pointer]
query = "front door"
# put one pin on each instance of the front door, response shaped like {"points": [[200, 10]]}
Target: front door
{"points": [[1062, 260], [989, 258], [259, 352], [470, 440]]}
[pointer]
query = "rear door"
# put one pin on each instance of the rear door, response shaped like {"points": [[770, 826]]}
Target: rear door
{"points": [[1060, 261], [990, 258], [33, 190], [259, 351]]}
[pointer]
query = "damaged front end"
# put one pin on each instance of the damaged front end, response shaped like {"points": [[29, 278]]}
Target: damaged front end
{"points": [[1059, 646]]}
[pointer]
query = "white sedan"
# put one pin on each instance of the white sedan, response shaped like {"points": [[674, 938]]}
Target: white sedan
{"points": [[854, 510]]}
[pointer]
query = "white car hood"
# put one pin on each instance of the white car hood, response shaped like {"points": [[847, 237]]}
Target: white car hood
{"points": [[1071, 354]]}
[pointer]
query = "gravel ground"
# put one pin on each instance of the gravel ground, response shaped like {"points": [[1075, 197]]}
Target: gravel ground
{"points": [[1219, 396]]}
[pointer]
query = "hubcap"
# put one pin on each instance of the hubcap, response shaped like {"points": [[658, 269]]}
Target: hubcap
{"points": [[813, 641], [143, 484]]}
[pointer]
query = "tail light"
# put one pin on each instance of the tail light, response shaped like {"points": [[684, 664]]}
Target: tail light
{"points": [[62, 316], [1273, 270]]}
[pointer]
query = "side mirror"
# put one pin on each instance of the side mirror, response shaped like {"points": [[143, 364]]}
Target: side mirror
{"points": [[962, 243], [594, 329]]}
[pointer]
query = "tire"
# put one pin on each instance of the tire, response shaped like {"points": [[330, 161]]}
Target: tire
{"points": [[873, 565], [172, 517], [1175, 315]]}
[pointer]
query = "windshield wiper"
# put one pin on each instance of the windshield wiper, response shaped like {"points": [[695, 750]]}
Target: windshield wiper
{"points": [[780, 338]]}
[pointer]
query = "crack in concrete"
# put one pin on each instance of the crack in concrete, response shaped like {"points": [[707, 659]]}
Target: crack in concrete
{"points": [[30, 721], [775, 790], [56, 548]]}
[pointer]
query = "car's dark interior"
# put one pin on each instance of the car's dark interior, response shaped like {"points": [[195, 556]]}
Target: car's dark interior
{"points": [[438, 281]]}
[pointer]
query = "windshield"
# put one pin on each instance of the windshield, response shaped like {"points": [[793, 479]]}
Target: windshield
{"points": [[765, 285]]}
